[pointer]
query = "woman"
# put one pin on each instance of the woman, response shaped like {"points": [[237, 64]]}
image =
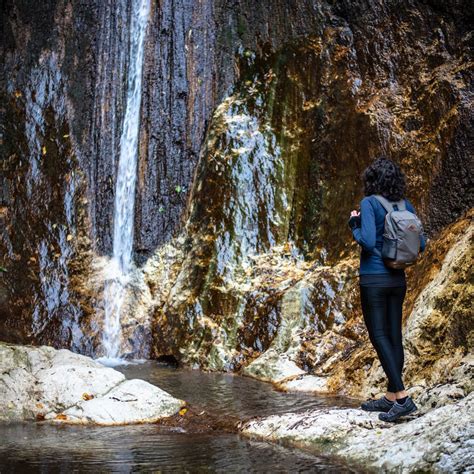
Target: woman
{"points": [[382, 289]]}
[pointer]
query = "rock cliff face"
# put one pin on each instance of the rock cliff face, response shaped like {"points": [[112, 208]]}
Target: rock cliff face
{"points": [[254, 131]]}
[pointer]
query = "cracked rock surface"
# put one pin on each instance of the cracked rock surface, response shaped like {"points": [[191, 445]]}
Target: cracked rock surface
{"points": [[439, 441], [45, 383]]}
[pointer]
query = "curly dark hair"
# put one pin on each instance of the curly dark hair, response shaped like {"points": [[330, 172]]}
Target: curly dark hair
{"points": [[384, 177]]}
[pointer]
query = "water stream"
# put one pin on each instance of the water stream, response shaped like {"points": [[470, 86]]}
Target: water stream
{"points": [[117, 273], [41, 447]]}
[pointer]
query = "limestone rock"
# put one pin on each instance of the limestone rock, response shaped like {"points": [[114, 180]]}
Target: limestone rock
{"points": [[63, 384], [133, 401], [45, 383], [273, 367], [305, 383], [313, 316], [440, 440]]}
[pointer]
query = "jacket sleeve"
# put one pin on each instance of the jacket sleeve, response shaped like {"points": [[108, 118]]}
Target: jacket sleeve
{"points": [[422, 235], [365, 234]]}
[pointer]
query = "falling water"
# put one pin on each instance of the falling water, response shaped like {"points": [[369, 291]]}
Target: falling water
{"points": [[118, 270]]}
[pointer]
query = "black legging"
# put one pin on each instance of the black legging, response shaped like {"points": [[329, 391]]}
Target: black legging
{"points": [[382, 309]]}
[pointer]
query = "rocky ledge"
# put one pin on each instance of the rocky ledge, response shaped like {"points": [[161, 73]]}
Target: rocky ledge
{"points": [[439, 441], [42, 383]]}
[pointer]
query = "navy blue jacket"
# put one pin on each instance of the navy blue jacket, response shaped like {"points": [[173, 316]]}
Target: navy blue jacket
{"points": [[370, 236]]}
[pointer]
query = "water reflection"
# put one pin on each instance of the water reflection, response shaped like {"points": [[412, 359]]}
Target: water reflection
{"points": [[229, 394], [43, 448]]}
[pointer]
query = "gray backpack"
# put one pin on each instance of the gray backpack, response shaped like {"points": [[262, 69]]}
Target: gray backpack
{"points": [[401, 238]]}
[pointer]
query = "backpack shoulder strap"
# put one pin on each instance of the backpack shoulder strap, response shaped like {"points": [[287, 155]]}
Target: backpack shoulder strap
{"points": [[388, 205], [402, 205], [385, 202]]}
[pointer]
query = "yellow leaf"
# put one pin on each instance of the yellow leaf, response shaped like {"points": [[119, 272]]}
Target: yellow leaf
{"points": [[183, 411], [17, 94], [69, 237], [66, 136], [61, 417], [43, 150], [87, 396]]}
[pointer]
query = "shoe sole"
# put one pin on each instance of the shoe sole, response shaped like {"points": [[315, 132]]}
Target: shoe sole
{"points": [[399, 416], [374, 411]]}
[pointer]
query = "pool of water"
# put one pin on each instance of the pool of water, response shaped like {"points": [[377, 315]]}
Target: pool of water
{"points": [[228, 394], [40, 447]]}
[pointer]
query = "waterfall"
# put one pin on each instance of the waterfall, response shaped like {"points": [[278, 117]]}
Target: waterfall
{"points": [[118, 271]]}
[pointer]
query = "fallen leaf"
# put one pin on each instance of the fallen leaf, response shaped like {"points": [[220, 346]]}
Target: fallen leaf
{"points": [[69, 237], [17, 94], [183, 411], [43, 150], [87, 396], [61, 417]]}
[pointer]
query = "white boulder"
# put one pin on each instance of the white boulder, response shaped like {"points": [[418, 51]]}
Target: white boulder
{"points": [[44, 383], [133, 401]]}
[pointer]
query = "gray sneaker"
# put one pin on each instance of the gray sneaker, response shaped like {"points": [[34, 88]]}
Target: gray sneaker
{"points": [[380, 404], [398, 410]]}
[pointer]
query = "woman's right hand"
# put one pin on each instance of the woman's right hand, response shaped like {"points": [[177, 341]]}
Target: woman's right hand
{"points": [[354, 220]]}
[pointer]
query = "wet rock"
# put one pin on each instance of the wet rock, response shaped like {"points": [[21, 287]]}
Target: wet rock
{"points": [[313, 334], [281, 124], [439, 441], [45, 383], [323, 87], [222, 304]]}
